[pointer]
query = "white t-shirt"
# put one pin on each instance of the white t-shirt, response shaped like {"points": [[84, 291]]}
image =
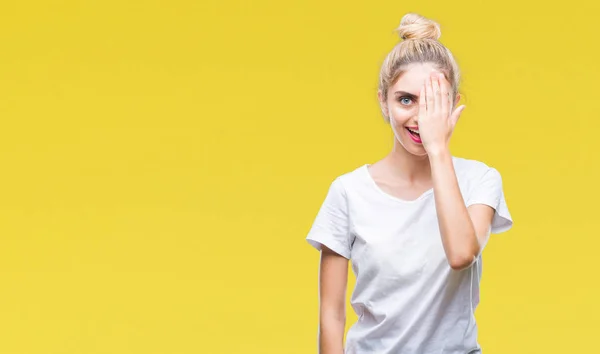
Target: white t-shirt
{"points": [[407, 298]]}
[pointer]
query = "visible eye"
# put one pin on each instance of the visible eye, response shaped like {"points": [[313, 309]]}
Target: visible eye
{"points": [[405, 100]]}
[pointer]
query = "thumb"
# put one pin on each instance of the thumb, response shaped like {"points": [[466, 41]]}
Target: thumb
{"points": [[456, 115]]}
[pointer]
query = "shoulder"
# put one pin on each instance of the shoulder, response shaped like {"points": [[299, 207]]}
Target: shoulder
{"points": [[350, 177], [470, 170], [350, 181]]}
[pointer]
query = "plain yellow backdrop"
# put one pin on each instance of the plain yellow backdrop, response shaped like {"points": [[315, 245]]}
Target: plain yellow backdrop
{"points": [[162, 162]]}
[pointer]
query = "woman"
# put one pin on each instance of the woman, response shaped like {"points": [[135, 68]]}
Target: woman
{"points": [[413, 224]]}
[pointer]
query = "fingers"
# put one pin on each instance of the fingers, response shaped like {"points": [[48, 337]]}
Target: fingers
{"points": [[430, 100], [422, 103], [445, 103], [456, 115], [434, 97], [435, 85]]}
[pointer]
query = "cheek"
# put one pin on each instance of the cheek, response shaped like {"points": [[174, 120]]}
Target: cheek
{"points": [[403, 113]]}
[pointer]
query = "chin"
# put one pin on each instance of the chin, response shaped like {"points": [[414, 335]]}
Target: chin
{"points": [[419, 152]]}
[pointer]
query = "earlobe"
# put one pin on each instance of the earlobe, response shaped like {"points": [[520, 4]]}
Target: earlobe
{"points": [[457, 100]]}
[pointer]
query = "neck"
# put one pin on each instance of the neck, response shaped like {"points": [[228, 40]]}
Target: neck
{"points": [[407, 166]]}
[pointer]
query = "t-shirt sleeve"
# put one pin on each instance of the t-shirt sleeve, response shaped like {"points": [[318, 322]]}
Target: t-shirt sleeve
{"points": [[331, 225], [489, 191]]}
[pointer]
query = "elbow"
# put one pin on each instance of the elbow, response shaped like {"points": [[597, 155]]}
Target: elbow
{"points": [[463, 261], [464, 257]]}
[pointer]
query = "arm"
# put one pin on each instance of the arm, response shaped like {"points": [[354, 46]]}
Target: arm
{"points": [[464, 230], [333, 279]]}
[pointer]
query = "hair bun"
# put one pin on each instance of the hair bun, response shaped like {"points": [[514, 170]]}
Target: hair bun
{"points": [[415, 26]]}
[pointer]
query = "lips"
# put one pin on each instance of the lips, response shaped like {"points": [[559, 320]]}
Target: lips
{"points": [[414, 135]]}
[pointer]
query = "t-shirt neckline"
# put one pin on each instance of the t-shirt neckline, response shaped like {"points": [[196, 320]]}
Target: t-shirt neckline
{"points": [[372, 182]]}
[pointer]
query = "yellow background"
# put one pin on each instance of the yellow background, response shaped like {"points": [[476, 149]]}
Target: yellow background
{"points": [[162, 162]]}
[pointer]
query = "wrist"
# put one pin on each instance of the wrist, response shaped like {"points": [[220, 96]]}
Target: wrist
{"points": [[438, 152]]}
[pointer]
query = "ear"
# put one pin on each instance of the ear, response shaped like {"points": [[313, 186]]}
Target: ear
{"points": [[457, 100], [383, 104]]}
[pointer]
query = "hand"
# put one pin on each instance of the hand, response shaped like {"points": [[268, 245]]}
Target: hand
{"points": [[436, 124]]}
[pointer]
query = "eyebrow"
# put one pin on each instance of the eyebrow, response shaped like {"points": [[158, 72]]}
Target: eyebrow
{"points": [[404, 93]]}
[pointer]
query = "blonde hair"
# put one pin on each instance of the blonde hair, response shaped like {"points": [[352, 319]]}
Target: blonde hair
{"points": [[419, 44]]}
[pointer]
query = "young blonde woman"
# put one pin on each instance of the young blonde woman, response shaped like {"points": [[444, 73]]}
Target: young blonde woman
{"points": [[413, 224]]}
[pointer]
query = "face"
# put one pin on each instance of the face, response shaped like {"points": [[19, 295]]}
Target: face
{"points": [[401, 106]]}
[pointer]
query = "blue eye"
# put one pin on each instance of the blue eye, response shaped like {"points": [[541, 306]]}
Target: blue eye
{"points": [[405, 100]]}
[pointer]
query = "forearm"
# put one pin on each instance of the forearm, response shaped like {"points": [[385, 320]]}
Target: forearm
{"points": [[331, 333], [458, 233]]}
